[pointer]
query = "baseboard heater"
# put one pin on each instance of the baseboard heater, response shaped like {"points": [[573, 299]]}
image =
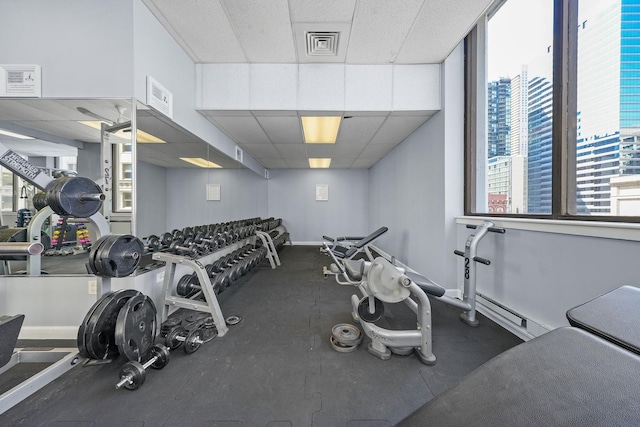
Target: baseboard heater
{"points": [[504, 312]]}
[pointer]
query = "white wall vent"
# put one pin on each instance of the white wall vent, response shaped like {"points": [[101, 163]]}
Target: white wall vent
{"points": [[239, 154], [320, 42]]}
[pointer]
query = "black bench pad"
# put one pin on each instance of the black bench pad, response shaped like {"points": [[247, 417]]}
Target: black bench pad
{"points": [[567, 377], [614, 316]]}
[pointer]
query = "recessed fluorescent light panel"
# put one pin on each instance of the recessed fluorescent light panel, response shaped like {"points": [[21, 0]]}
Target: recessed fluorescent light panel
{"points": [[141, 136], [320, 129], [198, 161], [317, 163], [14, 135]]}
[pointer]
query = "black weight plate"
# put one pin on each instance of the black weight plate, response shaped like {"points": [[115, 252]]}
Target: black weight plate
{"points": [[135, 374], [153, 243], [85, 322], [166, 239], [162, 355], [198, 237], [136, 328], [100, 328], [171, 340], [93, 252], [120, 256], [183, 287], [363, 310], [193, 341], [63, 196]]}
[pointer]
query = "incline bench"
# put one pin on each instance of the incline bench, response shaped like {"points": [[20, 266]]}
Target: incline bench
{"points": [[582, 375]]}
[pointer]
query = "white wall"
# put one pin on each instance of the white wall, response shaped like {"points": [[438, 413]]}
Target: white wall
{"points": [[243, 195], [85, 48], [292, 198], [416, 189]]}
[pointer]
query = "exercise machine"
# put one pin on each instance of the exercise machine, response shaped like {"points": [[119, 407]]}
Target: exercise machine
{"points": [[349, 247], [380, 281]]}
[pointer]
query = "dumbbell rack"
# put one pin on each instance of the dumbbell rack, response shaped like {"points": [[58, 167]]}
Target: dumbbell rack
{"points": [[272, 253], [168, 300]]}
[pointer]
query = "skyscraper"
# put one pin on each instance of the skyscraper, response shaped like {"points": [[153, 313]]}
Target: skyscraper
{"points": [[499, 117]]}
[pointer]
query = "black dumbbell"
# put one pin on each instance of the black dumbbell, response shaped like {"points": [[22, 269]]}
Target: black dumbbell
{"points": [[152, 244], [178, 335], [187, 247], [133, 374], [166, 239]]}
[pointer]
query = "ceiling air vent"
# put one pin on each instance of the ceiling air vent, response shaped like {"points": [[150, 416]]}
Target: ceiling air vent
{"points": [[322, 43]]}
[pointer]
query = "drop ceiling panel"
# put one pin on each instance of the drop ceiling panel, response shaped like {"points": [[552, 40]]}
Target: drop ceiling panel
{"points": [[363, 163], [379, 29], [243, 130], [282, 130], [376, 151], [263, 29], [441, 25], [342, 162], [348, 150], [397, 128], [359, 130], [320, 150], [201, 28], [291, 151], [322, 11], [297, 163]]}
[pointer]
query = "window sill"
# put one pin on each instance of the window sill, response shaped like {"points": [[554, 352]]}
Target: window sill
{"points": [[605, 230]]}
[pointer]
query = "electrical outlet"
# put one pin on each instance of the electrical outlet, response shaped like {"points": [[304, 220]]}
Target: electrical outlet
{"points": [[93, 287]]}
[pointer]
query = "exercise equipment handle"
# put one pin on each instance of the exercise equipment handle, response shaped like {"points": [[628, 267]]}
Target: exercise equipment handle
{"points": [[481, 260], [492, 229], [459, 253]]}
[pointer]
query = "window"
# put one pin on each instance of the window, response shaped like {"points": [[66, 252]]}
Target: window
{"points": [[123, 170], [6, 190], [562, 124]]}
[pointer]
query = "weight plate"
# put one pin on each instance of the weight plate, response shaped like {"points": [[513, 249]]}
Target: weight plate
{"points": [[346, 334], [166, 239], [100, 329], [153, 243], [341, 348], [171, 340], [183, 287], [162, 355], [120, 255], [363, 310], [193, 341], [93, 253], [78, 197], [134, 373], [136, 327], [232, 320], [85, 322]]}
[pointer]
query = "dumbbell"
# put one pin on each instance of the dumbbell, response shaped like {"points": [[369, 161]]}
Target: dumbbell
{"points": [[187, 247], [133, 374], [152, 244], [206, 239], [178, 335], [166, 239], [177, 235]]}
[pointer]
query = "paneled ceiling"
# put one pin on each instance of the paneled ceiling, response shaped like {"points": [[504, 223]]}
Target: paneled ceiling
{"points": [[275, 32], [369, 32]]}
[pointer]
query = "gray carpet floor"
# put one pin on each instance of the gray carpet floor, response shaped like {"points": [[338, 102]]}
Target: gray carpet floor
{"points": [[275, 368]]}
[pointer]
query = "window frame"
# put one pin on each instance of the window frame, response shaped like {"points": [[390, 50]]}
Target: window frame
{"points": [[564, 126]]}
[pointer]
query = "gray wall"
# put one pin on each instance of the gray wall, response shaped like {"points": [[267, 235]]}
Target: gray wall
{"points": [[292, 198], [85, 48], [89, 161], [243, 195], [151, 215]]}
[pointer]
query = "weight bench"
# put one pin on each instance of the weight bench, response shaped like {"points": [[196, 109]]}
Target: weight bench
{"points": [[345, 248], [612, 316], [567, 377], [583, 375]]}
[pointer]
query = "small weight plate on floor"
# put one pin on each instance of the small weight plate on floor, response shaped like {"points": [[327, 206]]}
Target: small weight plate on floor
{"points": [[100, 331], [232, 320], [346, 334], [363, 310], [341, 348], [136, 327]]}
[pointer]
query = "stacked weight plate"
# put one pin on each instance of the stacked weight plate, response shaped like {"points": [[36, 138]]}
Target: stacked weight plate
{"points": [[119, 323], [345, 337]]}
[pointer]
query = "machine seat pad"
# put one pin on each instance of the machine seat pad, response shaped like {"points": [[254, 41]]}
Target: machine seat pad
{"points": [[354, 268], [612, 316], [339, 251], [567, 377], [426, 285]]}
